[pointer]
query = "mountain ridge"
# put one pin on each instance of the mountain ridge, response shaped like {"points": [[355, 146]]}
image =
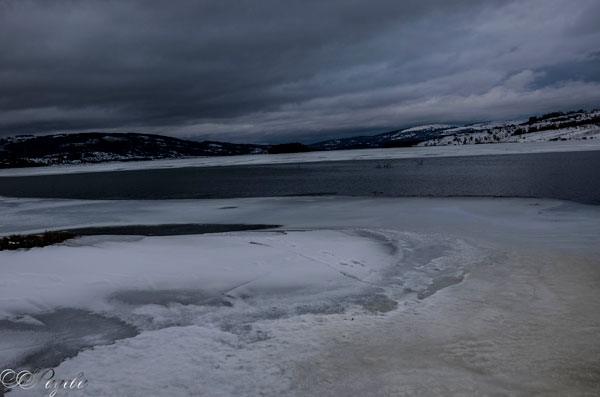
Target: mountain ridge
{"points": [[98, 147], [579, 124]]}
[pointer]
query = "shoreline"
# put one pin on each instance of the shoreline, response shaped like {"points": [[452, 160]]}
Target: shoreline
{"points": [[311, 157]]}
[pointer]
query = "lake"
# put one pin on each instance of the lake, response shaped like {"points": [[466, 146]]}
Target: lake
{"points": [[567, 175]]}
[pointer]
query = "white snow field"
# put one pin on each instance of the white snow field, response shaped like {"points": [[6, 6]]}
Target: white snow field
{"points": [[348, 297], [335, 155]]}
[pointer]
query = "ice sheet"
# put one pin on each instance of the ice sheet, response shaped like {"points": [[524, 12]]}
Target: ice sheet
{"points": [[515, 221], [370, 296]]}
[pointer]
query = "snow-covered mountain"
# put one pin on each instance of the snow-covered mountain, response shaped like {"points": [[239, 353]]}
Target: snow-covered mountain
{"points": [[549, 127], [82, 148], [405, 137]]}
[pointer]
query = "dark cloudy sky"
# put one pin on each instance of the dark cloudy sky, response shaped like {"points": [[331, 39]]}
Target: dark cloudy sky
{"points": [[262, 70]]}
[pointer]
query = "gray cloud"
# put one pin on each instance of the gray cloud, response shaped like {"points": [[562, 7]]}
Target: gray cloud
{"points": [[267, 70]]}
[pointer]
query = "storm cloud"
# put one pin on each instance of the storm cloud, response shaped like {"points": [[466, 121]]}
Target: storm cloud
{"points": [[271, 71]]}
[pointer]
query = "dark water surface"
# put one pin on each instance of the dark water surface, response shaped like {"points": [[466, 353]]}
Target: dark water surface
{"points": [[63, 333], [178, 229], [568, 175]]}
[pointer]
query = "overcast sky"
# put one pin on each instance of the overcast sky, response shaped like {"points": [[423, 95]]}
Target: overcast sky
{"points": [[273, 71]]}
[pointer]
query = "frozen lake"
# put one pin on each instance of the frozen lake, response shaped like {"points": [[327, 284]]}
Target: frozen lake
{"points": [[371, 296], [344, 289]]}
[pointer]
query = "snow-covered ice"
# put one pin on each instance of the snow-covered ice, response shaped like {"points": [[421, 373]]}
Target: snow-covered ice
{"points": [[350, 296]]}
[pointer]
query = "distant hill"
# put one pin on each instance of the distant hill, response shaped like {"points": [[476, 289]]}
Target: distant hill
{"points": [[405, 137], [97, 147], [554, 126], [82, 148]]}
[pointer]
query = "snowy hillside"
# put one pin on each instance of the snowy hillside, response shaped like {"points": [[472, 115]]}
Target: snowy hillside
{"points": [[94, 148], [550, 127], [396, 138], [88, 148]]}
